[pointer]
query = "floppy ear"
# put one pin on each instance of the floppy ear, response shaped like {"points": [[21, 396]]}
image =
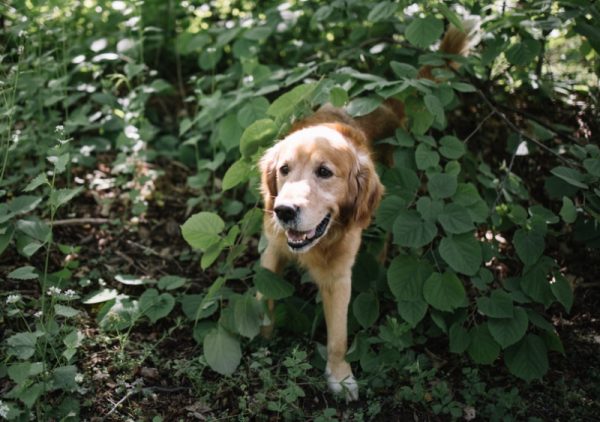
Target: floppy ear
{"points": [[367, 189], [268, 181]]}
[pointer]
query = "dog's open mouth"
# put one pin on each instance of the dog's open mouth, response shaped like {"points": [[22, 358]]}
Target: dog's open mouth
{"points": [[298, 240]]}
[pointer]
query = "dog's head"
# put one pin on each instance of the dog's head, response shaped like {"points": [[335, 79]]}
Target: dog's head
{"points": [[318, 177]]}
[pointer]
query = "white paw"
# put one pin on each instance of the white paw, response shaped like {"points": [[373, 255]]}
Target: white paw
{"points": [[347, 385]]}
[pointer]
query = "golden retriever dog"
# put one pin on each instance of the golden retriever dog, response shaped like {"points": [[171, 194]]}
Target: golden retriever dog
{"points": [[320, 189]]}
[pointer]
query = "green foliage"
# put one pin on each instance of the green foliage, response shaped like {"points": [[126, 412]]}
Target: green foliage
{"points": [[475, 212]]}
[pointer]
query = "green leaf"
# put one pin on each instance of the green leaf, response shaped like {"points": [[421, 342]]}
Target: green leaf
{"points": [[60, 162], [366, 309], [285, 105], [459, 338], [442, 185], [412, 311], [444, 291], [498, 305], [462, 252], [425, 157], [463, 87], [387, 212], [65, 311], [429, 209], [562, 291], [258, 33], [422, 32], [535, 284], [451, 147], [19, 372], [404, 70], [63, 378], [247, 316], [254, 109], [382, 10], [36, 182], [23, 204], [6, 237], [483, 349], [529, 245], [30, 395], [258, 134], [338, 96], [508, 331], [411, 230], [406, 276], [271, 285], [23, 273], [528, 359], [239, 172], [522, 53], [100, 296], [435, 107], [171, 282], [568, 212], [450, 15], [60, 197], [156, 306], [201, 230], [569, 175], [592, 165], [222, 351], [420, 118], [363, 105], [34, 228], [21, 345], [455, 219], [209, 57]]}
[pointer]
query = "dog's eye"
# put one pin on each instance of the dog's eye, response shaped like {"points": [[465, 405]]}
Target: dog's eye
{"points": [[284, 169], [324, 173]]}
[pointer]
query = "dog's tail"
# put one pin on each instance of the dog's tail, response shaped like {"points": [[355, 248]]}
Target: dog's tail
{"points": [[383, 122]]}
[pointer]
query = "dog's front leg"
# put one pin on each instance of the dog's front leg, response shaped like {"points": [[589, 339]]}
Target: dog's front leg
{"points": [[336, 298]]}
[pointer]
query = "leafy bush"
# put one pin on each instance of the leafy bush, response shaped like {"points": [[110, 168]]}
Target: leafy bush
{"points": [[494, 192]]}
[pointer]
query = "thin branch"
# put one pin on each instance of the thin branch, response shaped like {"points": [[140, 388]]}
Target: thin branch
{"points": [[479, 126], [81, 221]]}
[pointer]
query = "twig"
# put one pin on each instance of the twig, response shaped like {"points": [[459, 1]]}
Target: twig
{"points": [[513, 127], [82, 221], [134, 390], [479, 126], [508, 171]]}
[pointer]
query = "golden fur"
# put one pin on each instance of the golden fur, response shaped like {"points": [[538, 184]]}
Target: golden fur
{"points": [[320, 189]]}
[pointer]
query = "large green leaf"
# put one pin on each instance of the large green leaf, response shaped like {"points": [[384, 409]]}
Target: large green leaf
{"points": [[258, 134], [422, 32], [508, 331], [222, 351], [202, 229], [271, 285], [284, 106], [406, 276], [411, 230], [425, 157], [363, 105], [568, 212], [483, 349], [535, 283], [527, 359], [523, 52], [388, 211], [462, 252], [459, 338], [366, 309], [451, 147], [529, 245], [561, 288], [442, 185], [498, 305], [455, 219], [247, 315], [382, 10], [24, 273], [156, 306], [237, 173], [444, 291], [412, 311], [569, 175], [21, 345]]}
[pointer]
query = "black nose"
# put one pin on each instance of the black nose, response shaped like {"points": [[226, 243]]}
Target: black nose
{"points": [[286, 213]]}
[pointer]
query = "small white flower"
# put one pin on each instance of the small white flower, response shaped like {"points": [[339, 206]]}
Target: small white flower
{"points": [[11, 299], [3, 410], [79, 378], [53, 291], [38, 314], [59, 129], [70, 294]]}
